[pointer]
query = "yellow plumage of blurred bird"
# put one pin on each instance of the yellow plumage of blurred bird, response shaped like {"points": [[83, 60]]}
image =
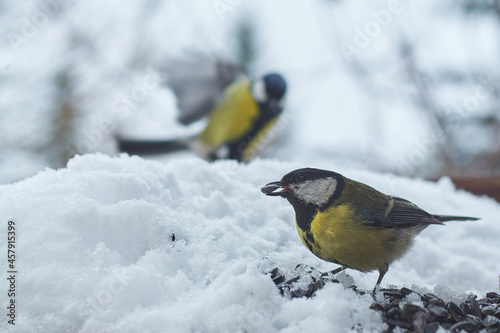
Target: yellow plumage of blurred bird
{"points": [[225, 124], [350, 223], [242, 118], [237, 121]]}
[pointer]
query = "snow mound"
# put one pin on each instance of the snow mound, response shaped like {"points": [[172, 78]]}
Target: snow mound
{"points": [[126, 245]]}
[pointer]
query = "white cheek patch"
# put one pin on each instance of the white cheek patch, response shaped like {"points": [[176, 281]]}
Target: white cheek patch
{"points": [[259, 91], [317, 191]]}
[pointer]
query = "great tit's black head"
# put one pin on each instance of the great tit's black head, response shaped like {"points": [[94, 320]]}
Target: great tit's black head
{"points": [[308, 186], [275, 86], [270, 89]]}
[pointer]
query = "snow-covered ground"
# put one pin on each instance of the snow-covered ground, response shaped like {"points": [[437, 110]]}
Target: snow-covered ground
{"points": [[123, 244]]}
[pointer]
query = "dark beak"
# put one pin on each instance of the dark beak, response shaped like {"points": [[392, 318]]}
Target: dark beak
{"points": [[272, 189]]}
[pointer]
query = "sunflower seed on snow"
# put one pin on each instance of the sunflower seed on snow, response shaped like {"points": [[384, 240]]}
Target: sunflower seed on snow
{"points": [[490, 321], [488, 310], [437, 310]]}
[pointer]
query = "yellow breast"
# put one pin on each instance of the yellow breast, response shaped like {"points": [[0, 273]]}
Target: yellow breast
{"points": [[232, 117], [336, 236]]}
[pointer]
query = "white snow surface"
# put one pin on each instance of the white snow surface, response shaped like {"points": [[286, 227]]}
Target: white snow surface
{"points": [[95, 249]]}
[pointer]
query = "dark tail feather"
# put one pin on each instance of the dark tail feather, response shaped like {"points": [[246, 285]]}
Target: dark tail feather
{"points": [[445, 218], [149, 147]]}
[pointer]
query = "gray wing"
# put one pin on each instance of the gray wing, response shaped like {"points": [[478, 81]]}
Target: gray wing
{"points": [[198, 81], [406, 214], [399, 213]]}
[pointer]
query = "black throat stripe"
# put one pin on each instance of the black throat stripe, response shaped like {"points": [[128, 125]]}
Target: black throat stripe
{"points": [[304, 213]]}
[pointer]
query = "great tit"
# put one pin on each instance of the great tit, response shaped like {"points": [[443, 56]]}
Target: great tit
{"points": [[242, 118], [236, 125], [350, 223]]}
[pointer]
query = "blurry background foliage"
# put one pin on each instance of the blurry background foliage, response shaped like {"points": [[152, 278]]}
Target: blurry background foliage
{"points": [[73, 74]]}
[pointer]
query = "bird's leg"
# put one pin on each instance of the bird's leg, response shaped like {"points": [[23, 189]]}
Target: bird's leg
{"points": [[382, 271]]}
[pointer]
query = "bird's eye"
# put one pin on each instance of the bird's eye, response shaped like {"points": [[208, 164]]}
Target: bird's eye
{"points": [[301, 178]]}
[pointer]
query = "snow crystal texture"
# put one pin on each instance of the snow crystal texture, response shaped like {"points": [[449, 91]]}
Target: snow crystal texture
{"points": [[126, 245]]}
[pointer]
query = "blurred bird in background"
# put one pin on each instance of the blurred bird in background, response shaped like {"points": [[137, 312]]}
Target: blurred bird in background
{"points": [[240, 111]]}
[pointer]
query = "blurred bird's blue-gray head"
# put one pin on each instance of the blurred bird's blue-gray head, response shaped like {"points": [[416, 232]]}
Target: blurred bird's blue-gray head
{"points": [[275, 86], [270, 89]]}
